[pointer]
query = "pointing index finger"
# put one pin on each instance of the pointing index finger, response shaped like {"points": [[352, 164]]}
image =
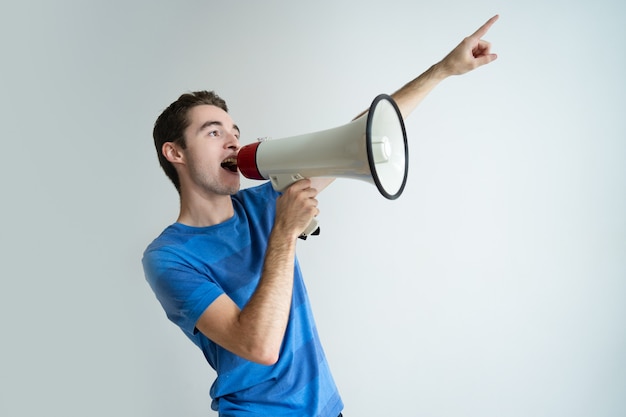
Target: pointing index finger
{"points": [[484, 28]]}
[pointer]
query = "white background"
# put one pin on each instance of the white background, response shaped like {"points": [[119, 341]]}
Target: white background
{"points": [[495, 285]]}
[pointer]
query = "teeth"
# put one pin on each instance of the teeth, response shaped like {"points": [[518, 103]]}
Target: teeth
{"points": [[230, 164]]}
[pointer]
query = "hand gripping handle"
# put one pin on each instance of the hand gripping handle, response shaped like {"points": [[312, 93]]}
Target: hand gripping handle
{"points": [[280, 182]]}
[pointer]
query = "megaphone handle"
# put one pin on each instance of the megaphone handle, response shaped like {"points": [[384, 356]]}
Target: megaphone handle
{"points": [[311, 229], [280, 182]]}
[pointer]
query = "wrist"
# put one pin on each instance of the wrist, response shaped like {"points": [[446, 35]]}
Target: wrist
{"points": [[283, 235], [439, 71]]}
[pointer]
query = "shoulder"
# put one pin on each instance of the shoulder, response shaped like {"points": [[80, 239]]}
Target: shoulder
{"points": [[259, 201], [263, 192], [172, 236]]}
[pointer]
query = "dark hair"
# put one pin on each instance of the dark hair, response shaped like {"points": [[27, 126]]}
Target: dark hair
{"points": [[171, 124]]}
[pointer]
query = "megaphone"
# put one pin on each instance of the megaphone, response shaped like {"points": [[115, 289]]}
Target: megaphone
{"points": [[372, 148]]}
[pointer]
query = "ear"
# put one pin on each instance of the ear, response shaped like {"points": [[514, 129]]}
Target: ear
{"points": [[172, 152]]}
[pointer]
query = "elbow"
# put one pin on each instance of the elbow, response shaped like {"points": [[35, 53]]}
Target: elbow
{"points": [[263, 351], [259, 344], [264, 356], [268, 361]]}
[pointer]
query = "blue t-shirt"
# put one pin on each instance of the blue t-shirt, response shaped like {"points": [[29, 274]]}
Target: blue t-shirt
{"points": [[189, 267]]}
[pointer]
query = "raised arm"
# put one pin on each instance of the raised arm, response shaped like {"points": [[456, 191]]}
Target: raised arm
{"points": [[471, 53]]}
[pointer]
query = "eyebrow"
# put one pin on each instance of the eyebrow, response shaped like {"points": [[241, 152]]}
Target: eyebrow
{"points": [[215, 123]]}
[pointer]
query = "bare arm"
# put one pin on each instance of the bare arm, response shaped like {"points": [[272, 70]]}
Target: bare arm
{"points": [[256, 332], [470, 54]]}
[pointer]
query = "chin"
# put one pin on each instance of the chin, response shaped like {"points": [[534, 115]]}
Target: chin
{"points": [[234, 189]]}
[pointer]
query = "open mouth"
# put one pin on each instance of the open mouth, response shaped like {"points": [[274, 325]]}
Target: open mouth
{"points": [[230, 164]]}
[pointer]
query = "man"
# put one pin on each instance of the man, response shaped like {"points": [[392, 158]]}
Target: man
{"points": [[226, 272]]}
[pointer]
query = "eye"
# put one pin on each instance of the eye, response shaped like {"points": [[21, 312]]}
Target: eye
{"points": [[214, 133]]}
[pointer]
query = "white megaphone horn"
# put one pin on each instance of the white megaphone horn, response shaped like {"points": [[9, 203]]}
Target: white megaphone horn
{"points": [[372, 148]]}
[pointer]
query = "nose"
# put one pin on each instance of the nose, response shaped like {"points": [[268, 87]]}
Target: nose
{"points": [[232, 142]]}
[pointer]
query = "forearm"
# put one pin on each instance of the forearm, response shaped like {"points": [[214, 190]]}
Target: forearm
{"points": [[409, 96], [468, 55], [264, 319], [256, 331]]}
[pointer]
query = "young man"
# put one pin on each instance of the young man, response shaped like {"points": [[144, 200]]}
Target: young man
{"points": [[226, 271]]}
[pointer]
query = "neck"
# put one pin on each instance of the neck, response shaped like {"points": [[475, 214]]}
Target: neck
{"points": [[202, 211]]}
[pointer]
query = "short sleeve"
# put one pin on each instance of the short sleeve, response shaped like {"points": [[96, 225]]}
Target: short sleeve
{"points": [[183, 291]]}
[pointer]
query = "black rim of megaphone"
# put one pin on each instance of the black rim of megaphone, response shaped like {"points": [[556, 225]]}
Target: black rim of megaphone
{"points": [[370, 154]]}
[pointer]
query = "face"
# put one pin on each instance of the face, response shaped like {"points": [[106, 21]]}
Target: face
{"points": [[212, 140]]}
